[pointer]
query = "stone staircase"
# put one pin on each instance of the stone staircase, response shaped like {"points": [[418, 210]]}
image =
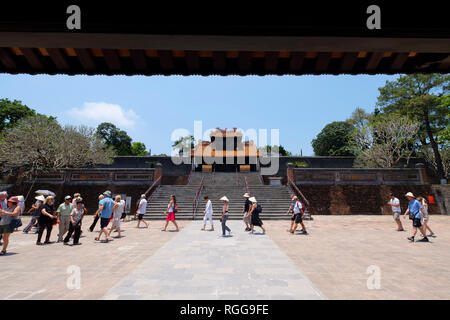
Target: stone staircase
{"points": [[273, 199]]}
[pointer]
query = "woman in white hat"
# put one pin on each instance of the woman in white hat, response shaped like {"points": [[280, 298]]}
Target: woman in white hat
{"points": [[245, 211], [34, 210], [224, 216], [255, 210]]}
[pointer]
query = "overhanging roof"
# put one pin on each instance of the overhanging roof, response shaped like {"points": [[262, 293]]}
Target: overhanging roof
{"points": [[191, 39]]}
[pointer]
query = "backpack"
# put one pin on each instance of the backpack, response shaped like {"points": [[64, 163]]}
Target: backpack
{"points": [[258, 208]]}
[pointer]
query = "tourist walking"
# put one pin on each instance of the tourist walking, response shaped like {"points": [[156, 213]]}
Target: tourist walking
{"points": [[245, 211], [171, 210], [396, 210], [117, 215], [74, 199], [11, 211], [35, 214], [208, 214], [298, 215], [106, 208], [76, 217], [426, 217], [291, 212], [46, 219], [142, 207], [224, 217], [415, 211], [3, 205], [255, 210], [96, 214], [63, 213]]}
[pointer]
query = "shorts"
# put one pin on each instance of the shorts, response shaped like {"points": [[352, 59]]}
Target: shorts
{"points": [[104, 222], [247, 219], [298, 218], [5, 228], [396, 215], [170, 216], [417, 223], [140, 216]]}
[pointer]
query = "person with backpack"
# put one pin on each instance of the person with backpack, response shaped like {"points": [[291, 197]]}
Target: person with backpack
{"points": [[171, 210], [415, 211], [298, 215], [255, 210]]}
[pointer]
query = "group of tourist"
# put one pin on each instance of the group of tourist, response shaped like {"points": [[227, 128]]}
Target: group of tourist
{"points": [[417, 212]]}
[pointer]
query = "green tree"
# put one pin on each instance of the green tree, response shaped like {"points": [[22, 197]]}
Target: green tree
{"points": [[420, 98], [118, 139], [13, 111], [139, 149], [334, 140], [281, 150], [184, 143]]}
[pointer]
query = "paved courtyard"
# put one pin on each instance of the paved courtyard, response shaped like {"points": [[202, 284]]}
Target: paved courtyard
{"points": [[330, 263]]}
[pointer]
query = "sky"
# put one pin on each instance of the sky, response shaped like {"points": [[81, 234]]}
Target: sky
{"points": [[149, 109]]}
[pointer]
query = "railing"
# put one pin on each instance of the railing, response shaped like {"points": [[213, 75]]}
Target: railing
{"points": [[155, 184], [260, 177], [237, 177], [190, 175], [197, 196], [298, 193], [213, 174], [246, 186]]}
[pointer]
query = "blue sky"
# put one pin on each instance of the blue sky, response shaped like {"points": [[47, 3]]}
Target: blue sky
{"points": [[150, 108]]}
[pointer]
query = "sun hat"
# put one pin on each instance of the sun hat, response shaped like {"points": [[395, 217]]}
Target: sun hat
{"points": [[13, 199], [20, 198], [224, 198], [108, 193], [294, 198], [40, 198], [246, 195], [67, 197], [252, 199], [409, 194]]}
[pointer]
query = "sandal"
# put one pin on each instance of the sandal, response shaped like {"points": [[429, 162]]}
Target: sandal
{"points": [[2, 253], [97, 239]]}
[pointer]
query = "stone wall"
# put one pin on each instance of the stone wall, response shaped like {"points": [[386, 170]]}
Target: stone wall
{"points": [[361, 199]]}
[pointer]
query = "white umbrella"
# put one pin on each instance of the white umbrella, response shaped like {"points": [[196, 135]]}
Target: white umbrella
{"points": [[45, 193]]}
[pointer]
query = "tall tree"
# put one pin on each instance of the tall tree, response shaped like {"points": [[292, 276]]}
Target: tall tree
{"points": [[184, 144], [334, 140], [139, 149], [419, 97], [11, 112], [281, 150], [118, 139]]}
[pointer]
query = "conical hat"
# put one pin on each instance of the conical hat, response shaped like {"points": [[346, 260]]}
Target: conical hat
{"points": [[224, 198]]}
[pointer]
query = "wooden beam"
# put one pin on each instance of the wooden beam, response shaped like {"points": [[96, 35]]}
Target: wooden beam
{"points": [[222, 43], [399, 60], [32, 58], [322, 61], [165, 59], [85, 59], [112, 59], [296, 62], [192, 60], [138, 59], [374, 60], [219, 60], [271, 60], [6, 59], [58, 58], [348, 61], [245, 60]]}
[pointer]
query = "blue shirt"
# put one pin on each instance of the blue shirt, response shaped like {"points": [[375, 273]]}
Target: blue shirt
{"points": [[107, 204], [414, 207]]}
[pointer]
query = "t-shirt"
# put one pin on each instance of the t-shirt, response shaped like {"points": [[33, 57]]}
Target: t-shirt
{"points": [[208, 208], [77, 214], [65, 209], [414, 208], [107, 204], [297, 207], [44, 218], [6, 219], [119, 209], [395, 209], [143, 205], [247, 205]]}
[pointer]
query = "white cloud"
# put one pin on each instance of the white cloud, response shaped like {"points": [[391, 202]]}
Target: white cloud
{"points": [[98, 112]]}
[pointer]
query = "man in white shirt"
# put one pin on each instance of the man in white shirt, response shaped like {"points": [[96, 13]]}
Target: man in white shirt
{"points": [[208, 213], [142, 207], [396, 210]]}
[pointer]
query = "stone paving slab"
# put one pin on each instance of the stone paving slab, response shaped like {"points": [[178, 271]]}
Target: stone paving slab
{"points": [[202, 265]]}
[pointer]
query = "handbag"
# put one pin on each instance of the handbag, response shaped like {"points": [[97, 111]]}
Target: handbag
{"points": [[175, 209], [15, 223]]}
